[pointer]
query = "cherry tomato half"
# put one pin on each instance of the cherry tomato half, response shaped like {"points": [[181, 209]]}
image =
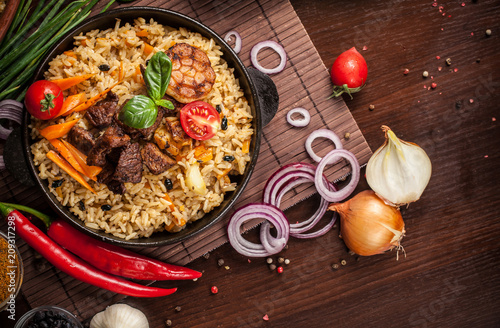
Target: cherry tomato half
{"points": [[44, 99], [200, 120]]}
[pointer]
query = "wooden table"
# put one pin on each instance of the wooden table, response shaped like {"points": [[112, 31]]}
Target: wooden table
{"points": [[451, 275]]}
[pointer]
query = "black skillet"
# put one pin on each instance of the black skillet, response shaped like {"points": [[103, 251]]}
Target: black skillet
{"points": [[259, 90]]}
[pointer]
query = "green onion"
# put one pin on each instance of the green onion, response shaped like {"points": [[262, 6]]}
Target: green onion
{"points": [[20, 54]]}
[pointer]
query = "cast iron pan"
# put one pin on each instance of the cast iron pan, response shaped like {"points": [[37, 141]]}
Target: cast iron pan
{"points": [[259, 90]]}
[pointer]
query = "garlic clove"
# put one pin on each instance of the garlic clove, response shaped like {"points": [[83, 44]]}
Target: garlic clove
{"points": [[120, 316], [398, 171]]}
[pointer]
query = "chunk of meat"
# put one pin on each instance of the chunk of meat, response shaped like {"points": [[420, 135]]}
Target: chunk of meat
{"points": [[82, 139], [178, 133], [177, 106], [101, 114], [129, 167], [146, 133], [113, 137], [156, 161], [106, 177], [192, 74]]}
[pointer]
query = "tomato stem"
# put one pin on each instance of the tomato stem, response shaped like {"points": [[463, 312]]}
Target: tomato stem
{"points": [[338, 90]]}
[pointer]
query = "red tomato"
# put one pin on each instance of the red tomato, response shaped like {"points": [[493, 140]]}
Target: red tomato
{"points": [[349, 72], [44, 99], [200, 120]]}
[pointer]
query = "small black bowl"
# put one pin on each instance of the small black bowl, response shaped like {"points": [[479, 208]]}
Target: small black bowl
{"points": [[246, 77]]}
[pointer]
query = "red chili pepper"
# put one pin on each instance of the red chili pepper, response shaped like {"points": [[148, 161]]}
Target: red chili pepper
{"points": [[72, 265], [109, 258]]}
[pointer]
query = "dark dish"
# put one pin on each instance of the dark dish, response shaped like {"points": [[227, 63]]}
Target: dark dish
{"points": [[175, 20]]}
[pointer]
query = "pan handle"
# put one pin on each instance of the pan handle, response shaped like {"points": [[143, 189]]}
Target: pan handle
{"points": [[15, 160], [267, 94]]}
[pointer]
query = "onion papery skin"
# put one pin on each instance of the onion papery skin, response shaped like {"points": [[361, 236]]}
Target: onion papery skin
{"points": [[368, 225]]}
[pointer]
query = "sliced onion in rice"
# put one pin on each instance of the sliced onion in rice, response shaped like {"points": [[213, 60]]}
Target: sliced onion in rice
{"points": [[323, 189], [322, 133], [237, 41], [269, 245], [276, 47], [304, 121]]}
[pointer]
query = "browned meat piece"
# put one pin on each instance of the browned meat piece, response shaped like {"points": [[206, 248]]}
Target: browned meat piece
{"points": [[156, 161], [101, 114], [106, 177], [81, 139], [129, 168], [113, 137], [192, 74], [145, 134], [177, 106], [178, 134]]}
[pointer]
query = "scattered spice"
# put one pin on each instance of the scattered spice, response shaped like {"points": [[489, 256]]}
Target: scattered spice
{"points": [[220, 262], [206, 256], [106, 207], [371, 107], [281, 260], [485, 156], [406, 71], [272, 267], [266, 317], [488, 32], [471, 33], [287, 261], [335, 266], [455, 70], [347, 135], [425, 74], [433, 85], [280, 269], [365, 48], [434, 4], [57, 183], [214, 290], [493, 119], [227, 267], [471, 100], [269, 260], [463, 4], [440, 68], [448, 61], [343, 262], [81, 205], [478, 60], [218, 108], [228, 158], [168, 323], [223, 124], [104, 67], [168, 184], [249, 261], [178, 308], [438, 57]]}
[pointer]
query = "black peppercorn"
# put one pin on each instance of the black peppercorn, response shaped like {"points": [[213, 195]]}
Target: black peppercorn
{"points": [[81, 205], [223, 124], [168, 184], [57, 183], [228, 158], [105, 207], [104, 67]]}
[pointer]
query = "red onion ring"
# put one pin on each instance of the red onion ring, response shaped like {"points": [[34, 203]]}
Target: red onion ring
{"points": [[11, 110], [276, 47], [300, 122], [269, 245], [337, 196], [237, 40], [2, 164], [322, 133]]}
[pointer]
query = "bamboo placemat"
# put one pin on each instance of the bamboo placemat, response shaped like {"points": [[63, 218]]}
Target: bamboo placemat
{"points": [[304, 82]]}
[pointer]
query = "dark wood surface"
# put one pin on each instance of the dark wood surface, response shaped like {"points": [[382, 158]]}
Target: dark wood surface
{"points": [[450, 277]]}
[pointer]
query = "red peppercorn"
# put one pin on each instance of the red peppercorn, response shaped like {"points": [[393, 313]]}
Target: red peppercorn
{"points": [[280, 269], [214, 290], [434, 85]]}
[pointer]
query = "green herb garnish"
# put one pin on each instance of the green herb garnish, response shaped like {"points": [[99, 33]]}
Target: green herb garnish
{"points": [[140, 112]]}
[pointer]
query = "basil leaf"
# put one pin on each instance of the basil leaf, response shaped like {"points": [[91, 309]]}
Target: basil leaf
{"points": [[139, 112], [157, 75], [165, 103]]}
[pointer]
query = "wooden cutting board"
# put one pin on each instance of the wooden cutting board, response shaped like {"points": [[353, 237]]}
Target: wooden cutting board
{"points": [[304, 83]]}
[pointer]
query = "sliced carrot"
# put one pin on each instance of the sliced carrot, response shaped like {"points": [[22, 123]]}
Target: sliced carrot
{"points": [[224, 173], [138, 75], [84, 42], [66, 154], [203, 154], [121, 73], [142, 33], [68, 82], [57, 130], [93, 100], [70, 103], [168, 199], [70, 53], [90, 171], [246, 146], [148, 49], [61, 162]]}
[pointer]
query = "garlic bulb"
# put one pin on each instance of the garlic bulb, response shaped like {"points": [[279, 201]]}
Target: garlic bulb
{"points": [[398, 171], [119, 316]]}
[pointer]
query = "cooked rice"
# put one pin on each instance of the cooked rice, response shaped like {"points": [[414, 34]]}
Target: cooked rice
{"points": [[143, 210]]}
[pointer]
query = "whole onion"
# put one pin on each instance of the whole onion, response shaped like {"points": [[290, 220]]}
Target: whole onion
{"points": [[368, 225]]}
